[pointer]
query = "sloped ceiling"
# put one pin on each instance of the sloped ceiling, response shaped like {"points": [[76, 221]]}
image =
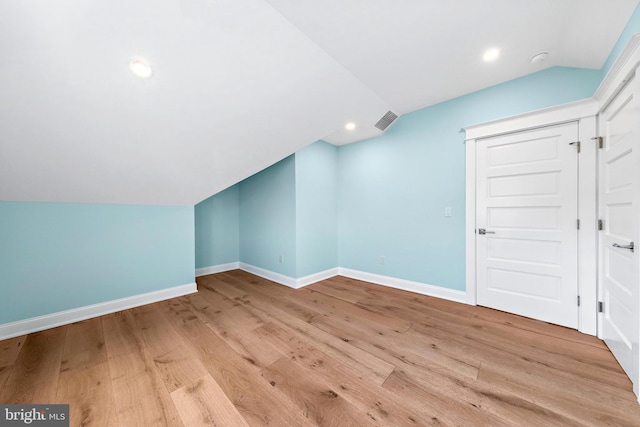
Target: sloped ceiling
{"points": [[239, 85]]}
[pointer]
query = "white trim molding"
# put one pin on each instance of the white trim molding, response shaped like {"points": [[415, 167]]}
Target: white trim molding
{"points": [[587, 234], [392, 282], [288, 280], [40, 323], [317, 277], [220, 268], [406, 285], [470, 222], [570, 112], [620, 72], [269, 275]]}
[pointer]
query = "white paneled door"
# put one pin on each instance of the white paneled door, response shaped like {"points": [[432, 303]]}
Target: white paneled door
{"points": [[526, 218], [619, 200]]}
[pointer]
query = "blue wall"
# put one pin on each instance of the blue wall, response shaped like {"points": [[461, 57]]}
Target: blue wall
{"points": [[326, 207], [316, 208], [289, 209], [218, 228], [393, 189], [59, 256], [390, 196], [268, 218]]}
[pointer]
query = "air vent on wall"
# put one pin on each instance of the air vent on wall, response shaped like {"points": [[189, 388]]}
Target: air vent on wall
{"points": [[386, 120]]}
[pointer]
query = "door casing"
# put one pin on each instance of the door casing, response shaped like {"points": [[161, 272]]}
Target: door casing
{"points": [[583, 112]]}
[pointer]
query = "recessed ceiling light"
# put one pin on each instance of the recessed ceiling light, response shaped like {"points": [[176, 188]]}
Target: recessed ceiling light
{"points": [[141, 69], [539, 57], [491, 55], [350, 126]]}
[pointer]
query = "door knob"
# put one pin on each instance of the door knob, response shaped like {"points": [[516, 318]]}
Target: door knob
{"points": [[629, 246], [483, 231]]}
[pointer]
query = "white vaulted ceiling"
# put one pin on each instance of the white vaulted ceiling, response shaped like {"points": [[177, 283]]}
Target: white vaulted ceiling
{"points": [[239, 84]]}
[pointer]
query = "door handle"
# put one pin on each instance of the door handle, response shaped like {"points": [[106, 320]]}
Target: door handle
{"points": [[483, 231], [629, 246]]}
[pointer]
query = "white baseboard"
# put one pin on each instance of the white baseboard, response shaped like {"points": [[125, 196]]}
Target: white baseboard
{"points": [[220, 268], [406, 285], [35, 324], [269, 275], [40, 323], [316, 277], [288, 280], [392, 282]]}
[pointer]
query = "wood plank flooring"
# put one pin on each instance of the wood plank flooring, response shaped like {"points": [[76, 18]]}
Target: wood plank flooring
{"points": [[244, 351]]}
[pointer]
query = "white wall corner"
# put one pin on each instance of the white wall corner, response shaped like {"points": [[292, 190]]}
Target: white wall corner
{"points": [[48, 321], [406, 285], [220, 268]]}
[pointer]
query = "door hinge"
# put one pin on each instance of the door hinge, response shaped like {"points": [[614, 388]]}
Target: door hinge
{"points": [[600, 224], [578, 224], [577, 144], [578, 300], [600, 307], [600, 141]]}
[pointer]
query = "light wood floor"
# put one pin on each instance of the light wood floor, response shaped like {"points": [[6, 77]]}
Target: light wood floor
{"points": [[244, 351]]}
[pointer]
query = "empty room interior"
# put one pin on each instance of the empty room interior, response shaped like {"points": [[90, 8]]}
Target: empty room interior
{"points": [[345, 213]]}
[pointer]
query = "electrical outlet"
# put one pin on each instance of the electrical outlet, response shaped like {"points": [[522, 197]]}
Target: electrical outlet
{"points": [[381, 259], [281, 258], [447, 211]]}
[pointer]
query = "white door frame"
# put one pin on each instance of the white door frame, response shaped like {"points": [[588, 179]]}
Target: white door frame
{"points": [[584, 112]]}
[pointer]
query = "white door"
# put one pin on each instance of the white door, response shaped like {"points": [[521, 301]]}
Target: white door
{"points": [[619, 197], [526, 202]]}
